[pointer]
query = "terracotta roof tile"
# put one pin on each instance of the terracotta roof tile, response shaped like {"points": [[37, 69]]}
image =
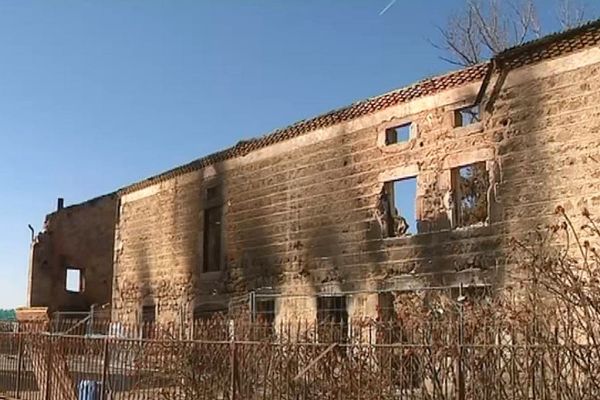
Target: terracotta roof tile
{"points": [[529, 53], [553, 45]]}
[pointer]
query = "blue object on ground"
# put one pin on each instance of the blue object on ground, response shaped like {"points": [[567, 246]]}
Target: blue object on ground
{"points": [[89, 390]]}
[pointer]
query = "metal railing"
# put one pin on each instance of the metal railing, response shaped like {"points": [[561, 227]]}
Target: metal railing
{"points": [[227, 359]]}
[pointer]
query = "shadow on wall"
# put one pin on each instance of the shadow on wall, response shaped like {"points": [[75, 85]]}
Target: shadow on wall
{"points": [[272, 254], [140, 294], [521, 119], [211, 271], [326, 247], [303, 251], [132, 289]]}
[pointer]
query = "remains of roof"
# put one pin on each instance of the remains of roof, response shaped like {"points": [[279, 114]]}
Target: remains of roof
{"points": [[551, 46], [548, 47]]}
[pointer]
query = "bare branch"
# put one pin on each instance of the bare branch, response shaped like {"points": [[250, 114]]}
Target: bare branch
{"points": [[492, 33], [483, 28], [571, 13], [456, 44], [526, 22]]}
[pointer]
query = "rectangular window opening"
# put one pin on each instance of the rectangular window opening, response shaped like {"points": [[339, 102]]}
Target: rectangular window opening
{"points": [[148, 321], [212, 239], [149, 313], [398, 207], [467, 116], [74, 280], [470, 185], [398, 134], [265, 311], [406, 369], [265, 317], [332, 318], [386, 306]]}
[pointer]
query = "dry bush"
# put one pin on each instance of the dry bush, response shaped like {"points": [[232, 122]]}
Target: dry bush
{"points": [[558, 300], [537, 337]]}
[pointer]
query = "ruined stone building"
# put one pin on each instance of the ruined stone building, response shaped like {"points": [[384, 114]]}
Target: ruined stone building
{"points": [[309, 214]]}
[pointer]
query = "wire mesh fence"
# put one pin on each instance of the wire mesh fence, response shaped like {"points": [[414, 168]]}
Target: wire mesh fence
{"points": [[240, 359]]}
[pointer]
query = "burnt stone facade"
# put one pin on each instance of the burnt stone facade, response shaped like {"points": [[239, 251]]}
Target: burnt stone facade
{"points": [[78, 238], [494, 149]]}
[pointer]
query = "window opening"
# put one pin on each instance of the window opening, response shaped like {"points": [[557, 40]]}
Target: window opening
{"points": [[467, 116], [149, 313], [148, 321], [332, 318], [406, 368], [74, 280], [265, 311], [398, 207], [265, 317], [398, 134], [212, 239], [470, 185]]}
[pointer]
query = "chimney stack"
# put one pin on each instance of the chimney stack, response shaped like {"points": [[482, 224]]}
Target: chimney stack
{"points": [[60, 204]]}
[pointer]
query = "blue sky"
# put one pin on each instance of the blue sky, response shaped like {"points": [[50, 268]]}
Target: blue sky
{"points": [[98, 94]]}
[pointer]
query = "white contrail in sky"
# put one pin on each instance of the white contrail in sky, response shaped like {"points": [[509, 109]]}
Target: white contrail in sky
{"points": [[387, 7]]}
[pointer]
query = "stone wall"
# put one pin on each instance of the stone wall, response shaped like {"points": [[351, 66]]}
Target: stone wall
{"points": [[82, 237], [300, 217]]}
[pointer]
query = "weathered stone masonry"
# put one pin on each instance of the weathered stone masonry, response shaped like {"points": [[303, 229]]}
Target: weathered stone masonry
{"points": [[80, 237], [299, 208]]}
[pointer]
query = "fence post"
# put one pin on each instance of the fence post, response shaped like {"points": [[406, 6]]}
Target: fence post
{"points": [[233, 370], [105, 366], [232, 360], [90, 322], [19, 366], [48, 368], [252, 305], [461, 377]]}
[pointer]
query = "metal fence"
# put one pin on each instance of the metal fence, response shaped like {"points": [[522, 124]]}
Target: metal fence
{"points": [[301, 360]]}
